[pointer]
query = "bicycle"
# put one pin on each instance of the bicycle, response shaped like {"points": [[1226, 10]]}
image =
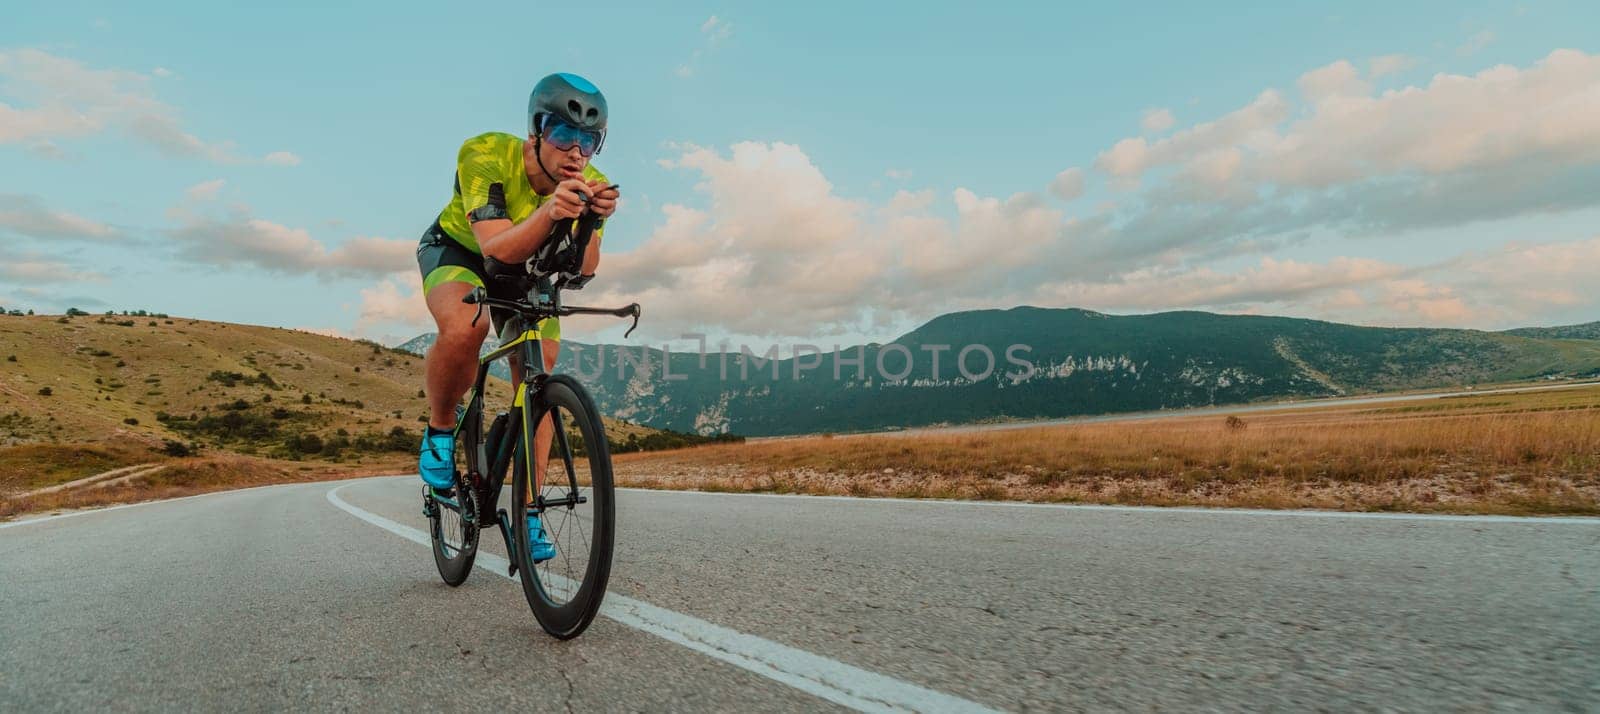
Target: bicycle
{"points": [[577, 507]]}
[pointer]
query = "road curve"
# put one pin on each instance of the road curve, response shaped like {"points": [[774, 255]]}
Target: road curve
{"points": [[292, 596]]}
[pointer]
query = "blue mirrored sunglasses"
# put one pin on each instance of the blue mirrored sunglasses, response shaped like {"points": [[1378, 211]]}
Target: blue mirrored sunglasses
{"points": [[564, 136]]}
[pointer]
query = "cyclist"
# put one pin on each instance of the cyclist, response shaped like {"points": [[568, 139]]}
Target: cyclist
{"points": [[510, 192]]}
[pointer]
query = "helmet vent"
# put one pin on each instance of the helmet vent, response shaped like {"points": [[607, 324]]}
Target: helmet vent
{"points": [[592, 113], [574, 106]]}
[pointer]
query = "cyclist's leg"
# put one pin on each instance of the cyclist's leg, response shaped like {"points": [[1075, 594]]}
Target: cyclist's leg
{"points": [[452, 362], [449, 272]]}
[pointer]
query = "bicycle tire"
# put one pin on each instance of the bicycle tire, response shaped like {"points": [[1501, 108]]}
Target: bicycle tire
{"points": [[566, 620], [455, 537]]}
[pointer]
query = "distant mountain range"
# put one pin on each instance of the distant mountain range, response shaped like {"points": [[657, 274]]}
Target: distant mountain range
{"points": [[1076, 362]]}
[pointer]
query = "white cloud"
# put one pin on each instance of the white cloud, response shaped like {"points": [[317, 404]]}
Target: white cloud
{"points": [[395, 301], [1156, 121], [27, 216], [48, 149], [805, 261], [1337, 80], [282, 158], [205, 190], [1475, 43], [24, 268], [1272, 281], [43, 271], [1385, 65], [716, 29], [239, 239], [161, 72], [1068, 184], [898, 174], [63, 98], [1455, 125], [1251, 125]]}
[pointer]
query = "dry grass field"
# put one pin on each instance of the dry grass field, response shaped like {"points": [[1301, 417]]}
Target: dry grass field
{"points": [[1528, 453]]}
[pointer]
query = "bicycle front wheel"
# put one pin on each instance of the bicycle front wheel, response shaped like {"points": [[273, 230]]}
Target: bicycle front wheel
{"points": [[575, 506]]}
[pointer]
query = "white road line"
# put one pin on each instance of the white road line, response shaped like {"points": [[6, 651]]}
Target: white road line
{"points": [[834, 681], [1539, 520]]}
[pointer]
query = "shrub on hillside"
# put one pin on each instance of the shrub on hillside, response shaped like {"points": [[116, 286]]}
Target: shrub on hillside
{"points": [[304, 443], [234, 379], [177, 448], [231, 426], [397, 439]]}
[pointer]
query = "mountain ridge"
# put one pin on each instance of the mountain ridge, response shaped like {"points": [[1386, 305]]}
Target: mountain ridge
{"points": [[1077, 362]]}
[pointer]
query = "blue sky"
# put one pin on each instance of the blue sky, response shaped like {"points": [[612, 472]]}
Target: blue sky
{"points": [[861, 167]]}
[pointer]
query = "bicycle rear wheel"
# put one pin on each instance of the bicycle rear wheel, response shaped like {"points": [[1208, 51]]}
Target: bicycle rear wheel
{"points": [[575, 504], [454, 520]]}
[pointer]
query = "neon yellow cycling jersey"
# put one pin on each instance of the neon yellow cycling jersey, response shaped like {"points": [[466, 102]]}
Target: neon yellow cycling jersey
{"points": [[492, 183]]}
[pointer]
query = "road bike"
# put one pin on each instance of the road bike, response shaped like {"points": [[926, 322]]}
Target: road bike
{"points": [[575, 501]]}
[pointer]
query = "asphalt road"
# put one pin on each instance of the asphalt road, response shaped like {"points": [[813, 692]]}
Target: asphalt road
{"points": [[289, 597]]}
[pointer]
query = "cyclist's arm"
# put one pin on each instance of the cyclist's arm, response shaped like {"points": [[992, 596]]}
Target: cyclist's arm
{"points": [[515, 243], [605, 204], [591, 255], [509, 242]]}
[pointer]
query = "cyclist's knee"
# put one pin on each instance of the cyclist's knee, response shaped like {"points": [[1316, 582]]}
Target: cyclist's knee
{"points": [[461, 334]]}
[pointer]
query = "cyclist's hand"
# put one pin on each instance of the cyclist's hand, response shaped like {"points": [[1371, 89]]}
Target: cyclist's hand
{"points": [[603, 200], [566, 201]]}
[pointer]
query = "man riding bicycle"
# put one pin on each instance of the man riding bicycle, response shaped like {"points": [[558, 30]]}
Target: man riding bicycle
{"points": [[510, 193]]}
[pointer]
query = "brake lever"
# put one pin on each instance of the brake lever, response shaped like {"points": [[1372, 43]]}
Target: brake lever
{"points": [[634, 311], [475, 298]]}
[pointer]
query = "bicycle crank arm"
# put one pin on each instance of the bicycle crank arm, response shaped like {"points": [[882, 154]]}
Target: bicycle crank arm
{"points": [[570, 501]]}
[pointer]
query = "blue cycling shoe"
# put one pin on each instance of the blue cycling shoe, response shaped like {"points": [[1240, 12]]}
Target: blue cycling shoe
{"points": [[539, 544], [437, 462]]}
